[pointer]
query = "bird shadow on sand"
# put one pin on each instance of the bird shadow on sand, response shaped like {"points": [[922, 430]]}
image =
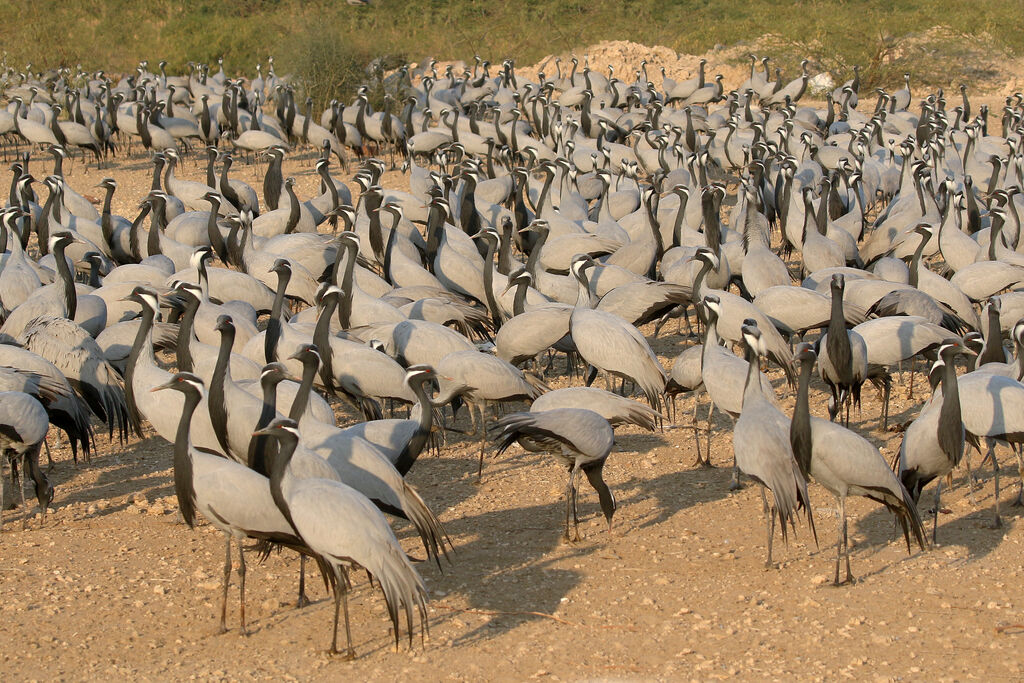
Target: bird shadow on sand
{"points": [[675, 491], [121, 474], [972, 531], [513, 572]]}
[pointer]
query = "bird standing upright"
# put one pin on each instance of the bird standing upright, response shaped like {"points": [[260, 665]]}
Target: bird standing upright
{"points": [[763, 451]]}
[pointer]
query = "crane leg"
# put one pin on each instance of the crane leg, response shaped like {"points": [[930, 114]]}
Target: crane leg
{"points": [[707, 449], [696, 431], [341, 601], [970, 476], [846, 543], [996, 522], [49, 457], [483, 439], [241, 589], [771, 537], [21, 487], [1017, 448], [839, 550], [842, 545], [12, 460], [224, 592], [885, 408], [734, 482], [303, 600], [910, 393], [575, 515], [938, 498], [3, 456], [570, 504]]}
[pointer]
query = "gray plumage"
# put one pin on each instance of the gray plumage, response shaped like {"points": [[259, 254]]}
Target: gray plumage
{"points": [[763, 451], [579, 439], [23, 426], [612, 345], [846, 463], [81, 360], [618, 410], [344, 529]]}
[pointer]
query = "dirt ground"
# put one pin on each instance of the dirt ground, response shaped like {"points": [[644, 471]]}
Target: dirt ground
{"points": [[112, 586]]}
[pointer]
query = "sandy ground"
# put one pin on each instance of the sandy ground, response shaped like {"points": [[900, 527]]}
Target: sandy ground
{"points": [[112, 586]]}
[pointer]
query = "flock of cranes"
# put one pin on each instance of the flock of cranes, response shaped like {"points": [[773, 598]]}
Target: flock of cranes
{"points": [[543, 217]]}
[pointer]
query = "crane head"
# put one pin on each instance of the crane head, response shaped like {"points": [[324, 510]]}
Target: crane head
{"points": [[305, 351], [184, 382], [224, 323], [974, 341], [804, 353], [952, 347], [276, 372], [580, 263], [282, 429], [752, 338], [281, 266]]}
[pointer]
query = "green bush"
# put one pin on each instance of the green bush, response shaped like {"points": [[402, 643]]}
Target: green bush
{"points": [[328, 43]]}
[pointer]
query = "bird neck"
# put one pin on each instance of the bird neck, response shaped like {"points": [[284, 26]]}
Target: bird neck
{"points": [[321, 337], [492, 303], [800, 427], [301, 401], [135, 233], [389, 250], [155, 226], [712, 227], [216, 238], [183, 347], [583, 298], [184, 488], [677, 226], [992, 351], [258, 456], [142, 342], [951, 428], [995, 233], [67, 282], [837, 343], [211, 174], [505, 248], [347, 285], [519, 301], [218, 390], [106, 219], [279, 476], [273, 333], [533, 261], [752, 383], [915, 262]]}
